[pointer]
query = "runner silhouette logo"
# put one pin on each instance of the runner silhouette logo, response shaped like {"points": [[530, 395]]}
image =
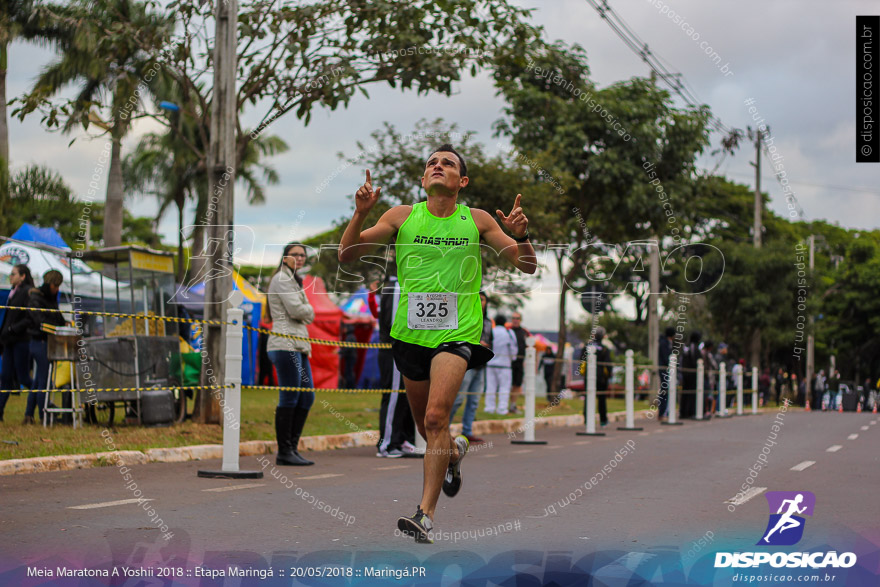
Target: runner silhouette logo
{"points": [[786, 524]]}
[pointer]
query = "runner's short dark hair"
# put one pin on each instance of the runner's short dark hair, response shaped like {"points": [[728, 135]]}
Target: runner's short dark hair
{"points": [[446, 147]]}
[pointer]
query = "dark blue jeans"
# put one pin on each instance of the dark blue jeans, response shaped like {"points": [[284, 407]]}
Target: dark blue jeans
{"points": [[39, 353], [293, 370], [16, 363]]}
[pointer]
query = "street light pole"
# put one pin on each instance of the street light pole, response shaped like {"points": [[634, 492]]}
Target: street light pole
{"points": [[221, 169]]}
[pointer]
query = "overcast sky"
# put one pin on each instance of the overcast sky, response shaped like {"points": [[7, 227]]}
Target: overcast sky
{"points": [[795, 58]]}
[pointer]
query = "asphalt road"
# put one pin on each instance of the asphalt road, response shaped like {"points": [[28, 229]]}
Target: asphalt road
{"points": [[669, 495]]}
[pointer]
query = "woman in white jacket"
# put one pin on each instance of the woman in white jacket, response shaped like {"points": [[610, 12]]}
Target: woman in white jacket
{"points": [[290, 312], [499, 373]]}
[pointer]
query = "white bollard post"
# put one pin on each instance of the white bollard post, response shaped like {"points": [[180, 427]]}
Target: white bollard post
{"points": [[530, 367], [739, 392], [590, 404], [672, 418], [754, 390], [722, 390], [630, 393], [701, 388], [230, 405]]}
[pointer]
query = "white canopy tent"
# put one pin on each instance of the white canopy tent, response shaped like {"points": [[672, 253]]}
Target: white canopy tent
{"points": [[41, 258]]}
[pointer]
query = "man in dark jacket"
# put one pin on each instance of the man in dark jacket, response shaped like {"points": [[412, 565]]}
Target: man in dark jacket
{"points": [[664, 351], [14, 336], [689, 376], [43, 300]]}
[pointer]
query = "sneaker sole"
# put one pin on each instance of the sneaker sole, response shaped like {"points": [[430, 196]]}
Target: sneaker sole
{"points": [[410, 528], [451, 488]]}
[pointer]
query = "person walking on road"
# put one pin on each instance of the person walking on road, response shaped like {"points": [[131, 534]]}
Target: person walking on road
{"points": [[290, 312], [438, 323]]}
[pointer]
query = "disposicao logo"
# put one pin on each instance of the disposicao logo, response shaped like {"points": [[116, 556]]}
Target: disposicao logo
{"points": [[786, 528]]}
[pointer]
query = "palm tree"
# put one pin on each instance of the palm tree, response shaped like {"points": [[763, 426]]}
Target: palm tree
{"points": [[164, 167], [19, 19], [114, 70]]}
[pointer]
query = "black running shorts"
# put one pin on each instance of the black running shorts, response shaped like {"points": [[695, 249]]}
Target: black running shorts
{"points": [[414, 361]]}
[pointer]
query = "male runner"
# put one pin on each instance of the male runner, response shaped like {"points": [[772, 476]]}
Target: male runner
{"points": [[438, 322]]}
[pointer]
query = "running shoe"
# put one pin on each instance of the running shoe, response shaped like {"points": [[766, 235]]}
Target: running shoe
{"points": [[452, 482], [418, 526], [395, 453]]}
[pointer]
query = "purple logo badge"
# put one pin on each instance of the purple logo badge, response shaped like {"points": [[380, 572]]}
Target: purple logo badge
{"points": [[786, 526]]}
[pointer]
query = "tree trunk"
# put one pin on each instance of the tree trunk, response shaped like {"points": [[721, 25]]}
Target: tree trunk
{"points": [[196, 263], [181, 268], [4, 143], [114, 204]]}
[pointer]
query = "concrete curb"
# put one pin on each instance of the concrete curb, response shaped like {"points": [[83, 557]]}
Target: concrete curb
{"points": [[262, 447]]}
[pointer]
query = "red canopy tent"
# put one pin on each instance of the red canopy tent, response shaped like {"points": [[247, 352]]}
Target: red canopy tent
{"points": [[328, 326]]}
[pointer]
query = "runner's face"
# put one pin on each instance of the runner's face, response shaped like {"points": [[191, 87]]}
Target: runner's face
{"points": [[14, 278], [442, 174]]}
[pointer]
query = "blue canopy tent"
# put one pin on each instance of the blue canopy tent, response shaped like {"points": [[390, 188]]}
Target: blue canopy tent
{"points": [[34, 234], [193, 300]]}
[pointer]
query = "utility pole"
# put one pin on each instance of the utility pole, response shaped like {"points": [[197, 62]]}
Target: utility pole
{"points": [[811, 343], [653, 315], [221, 169], [755, 354]]}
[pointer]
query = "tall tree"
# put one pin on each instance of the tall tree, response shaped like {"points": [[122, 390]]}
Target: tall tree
{"points": [[602, 145], [109, 58], [161, 167]]}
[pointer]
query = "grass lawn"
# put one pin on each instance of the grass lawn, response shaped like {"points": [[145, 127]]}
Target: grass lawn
{"points": [[333, 413]]}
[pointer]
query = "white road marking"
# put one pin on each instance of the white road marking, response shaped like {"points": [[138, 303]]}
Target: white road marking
{"points": [[324, 476], [865, 427], [644, 433], [834, 448], [578, 442], [489, 456], [555, 446], [852, 436], [235, 487], [873, 422], [519, 452], [391, 468], [802, 466], [104, 504], [746, 496]]}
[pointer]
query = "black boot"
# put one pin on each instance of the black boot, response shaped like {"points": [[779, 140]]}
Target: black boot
{"points": [[299, 422], [284, 418]]}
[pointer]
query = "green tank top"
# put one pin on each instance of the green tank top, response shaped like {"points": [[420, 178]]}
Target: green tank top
{"points": [[438, 256]]}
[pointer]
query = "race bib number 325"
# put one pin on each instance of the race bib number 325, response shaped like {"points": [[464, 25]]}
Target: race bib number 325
{"points": [[432, 311]]}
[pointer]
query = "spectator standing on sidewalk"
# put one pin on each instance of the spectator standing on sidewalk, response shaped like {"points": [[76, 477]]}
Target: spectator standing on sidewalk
{"points": [[664, 351], [44, 300], [517, 369], [474, 383], [499, 374], [14, 336]]}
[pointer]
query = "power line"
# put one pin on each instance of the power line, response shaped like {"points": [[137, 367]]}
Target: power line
{"points": [[641, 49]]}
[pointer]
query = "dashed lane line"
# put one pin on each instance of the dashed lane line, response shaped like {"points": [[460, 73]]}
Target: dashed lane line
{"points": [[746, 496], [324, 476], [519, 452], [864, 427], [834, 448], [105, 504], [235, 487], [392, 467], [802, 466], [852, 436]]}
